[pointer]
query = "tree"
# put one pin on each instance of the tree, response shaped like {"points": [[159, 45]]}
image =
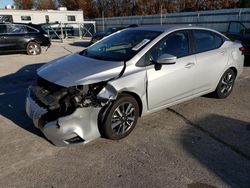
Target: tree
{"points": [[244, 4], [70, 4], [23, 4], [88, 8], [45, 4]]}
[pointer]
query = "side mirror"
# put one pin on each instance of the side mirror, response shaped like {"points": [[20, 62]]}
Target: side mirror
{"points": [[166, 59]]}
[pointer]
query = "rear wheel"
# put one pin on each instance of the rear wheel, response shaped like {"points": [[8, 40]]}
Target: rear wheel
{"points": [[33, 48], [225, 85], [122, 118]]}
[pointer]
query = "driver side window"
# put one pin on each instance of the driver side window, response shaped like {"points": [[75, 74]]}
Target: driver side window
{"points": [[175, 44]]}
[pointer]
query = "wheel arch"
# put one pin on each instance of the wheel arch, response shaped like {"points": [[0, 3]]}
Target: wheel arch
{"points": [[137, 98], [235, 71], [104, 111], [33, 40]]}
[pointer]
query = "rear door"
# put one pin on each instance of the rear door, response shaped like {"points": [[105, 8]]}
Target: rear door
{"points": [[211, 59], [16, 36]]}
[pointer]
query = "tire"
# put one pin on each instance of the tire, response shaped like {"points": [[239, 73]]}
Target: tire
{"points": [[121, 118], [225, 85], [33, 48]]}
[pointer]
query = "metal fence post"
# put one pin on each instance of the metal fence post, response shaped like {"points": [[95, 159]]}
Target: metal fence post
{"points": [[80, 31], [62, 35], [94, 27], [239, 17]]}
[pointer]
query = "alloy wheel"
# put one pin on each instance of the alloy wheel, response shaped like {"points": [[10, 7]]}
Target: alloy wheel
{"points": [[123, 118], [33, 49], [227, 83]]}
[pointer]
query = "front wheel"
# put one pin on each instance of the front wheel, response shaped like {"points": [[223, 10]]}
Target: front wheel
{"points": [[33, 48], [225, 85], [122, 118]]}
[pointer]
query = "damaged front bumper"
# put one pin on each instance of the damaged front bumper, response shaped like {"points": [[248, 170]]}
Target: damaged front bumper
{"points": [[80, 126]]}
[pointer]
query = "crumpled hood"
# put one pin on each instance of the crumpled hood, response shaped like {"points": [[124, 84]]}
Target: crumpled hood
{"points": [[76, 69]]}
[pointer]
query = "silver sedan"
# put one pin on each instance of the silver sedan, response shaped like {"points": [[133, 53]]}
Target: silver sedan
{"points": [[102, 90]]}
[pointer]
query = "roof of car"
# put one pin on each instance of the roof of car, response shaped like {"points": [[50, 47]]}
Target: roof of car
{"points": [[167, 28], [30, 24]]}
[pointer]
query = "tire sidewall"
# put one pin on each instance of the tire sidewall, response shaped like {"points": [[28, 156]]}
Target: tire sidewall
{"points": [[107, 130]]}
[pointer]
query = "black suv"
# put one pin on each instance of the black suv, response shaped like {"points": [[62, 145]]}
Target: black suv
{"points": [[16, 37]]}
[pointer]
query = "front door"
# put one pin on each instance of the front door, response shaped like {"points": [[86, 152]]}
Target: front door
{"points": [[170, 83]]}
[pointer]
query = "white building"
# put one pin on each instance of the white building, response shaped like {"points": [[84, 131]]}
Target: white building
{"points": [[41, 16]]}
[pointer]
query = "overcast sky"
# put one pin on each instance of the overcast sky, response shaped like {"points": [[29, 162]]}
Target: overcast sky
{"points": [[3, 3]]}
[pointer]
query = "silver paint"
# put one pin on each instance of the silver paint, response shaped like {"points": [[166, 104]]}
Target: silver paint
{"points": [[76, 69], [82, 123]]}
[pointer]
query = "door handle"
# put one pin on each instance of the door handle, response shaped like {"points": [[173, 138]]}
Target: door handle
{"points": [[3, 37], [189, 65]]}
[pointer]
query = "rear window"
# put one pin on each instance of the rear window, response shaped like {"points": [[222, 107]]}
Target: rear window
{"points": [[31, 30], [206, 40]]}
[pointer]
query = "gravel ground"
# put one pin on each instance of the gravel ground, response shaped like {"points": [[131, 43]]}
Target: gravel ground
{"points": [[204, 142]]}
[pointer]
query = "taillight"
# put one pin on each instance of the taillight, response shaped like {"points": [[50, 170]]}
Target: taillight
{"points": [[242, 49]]}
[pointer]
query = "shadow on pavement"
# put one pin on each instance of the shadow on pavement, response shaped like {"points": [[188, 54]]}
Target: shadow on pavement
{"points": [[13, 89], [81, 44], [226, 153], [13, 53]]}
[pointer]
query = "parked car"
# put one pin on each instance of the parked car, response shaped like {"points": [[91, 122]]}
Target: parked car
{"points": [[99, 35], [106, 87], [237, 31], [16, 37]]}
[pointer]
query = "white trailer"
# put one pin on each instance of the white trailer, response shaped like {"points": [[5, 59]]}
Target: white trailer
{"points": [[41, 16], [60, 23]]}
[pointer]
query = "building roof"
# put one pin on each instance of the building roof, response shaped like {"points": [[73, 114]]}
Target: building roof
{"points": [[54, 11]]}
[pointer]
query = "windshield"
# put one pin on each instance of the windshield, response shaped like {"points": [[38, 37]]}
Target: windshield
{"points": [[122, 46]]}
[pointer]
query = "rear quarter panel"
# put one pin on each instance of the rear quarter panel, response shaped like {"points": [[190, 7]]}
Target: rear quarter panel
{"points": [[236, 58]]}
